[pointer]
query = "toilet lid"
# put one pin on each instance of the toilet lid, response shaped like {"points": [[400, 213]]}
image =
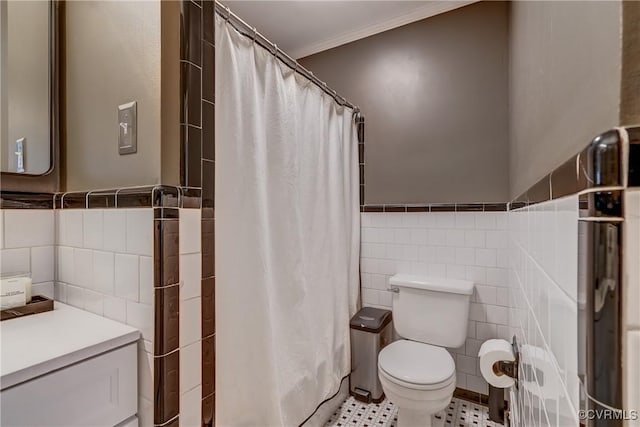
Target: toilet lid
{"points": [[416, 362]]}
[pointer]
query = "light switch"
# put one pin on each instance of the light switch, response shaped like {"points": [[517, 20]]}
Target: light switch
{"points": [[20, 155], [127, 138]]}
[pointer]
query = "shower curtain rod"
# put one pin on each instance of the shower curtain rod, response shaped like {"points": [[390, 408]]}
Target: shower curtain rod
{"points": [[248, 31]]}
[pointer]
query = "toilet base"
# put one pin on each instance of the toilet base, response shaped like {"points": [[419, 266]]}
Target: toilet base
{"points": [[413, 418], [418, 418], [418, 407]]}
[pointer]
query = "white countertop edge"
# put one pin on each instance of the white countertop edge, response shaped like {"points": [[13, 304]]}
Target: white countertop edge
{"points": [[39, 344], [64, 361]]}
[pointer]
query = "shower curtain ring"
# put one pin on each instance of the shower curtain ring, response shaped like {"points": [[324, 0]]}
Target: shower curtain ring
{"points": [[275, 50], [228, 14], [255, 34]]}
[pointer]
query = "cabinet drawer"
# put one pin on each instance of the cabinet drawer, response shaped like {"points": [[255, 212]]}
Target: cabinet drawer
{"points": [[101, 391]]}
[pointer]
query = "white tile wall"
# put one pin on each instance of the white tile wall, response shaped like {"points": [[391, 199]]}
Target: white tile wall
{"points": [[190, 318], [139, 239], [127, 276], [99, 255], [145, 385], [114, 230], [28, 228], [543, 247], [101, 261], [105, 266], [631, 288], [191, 407], [27, 246], [461, 245]]}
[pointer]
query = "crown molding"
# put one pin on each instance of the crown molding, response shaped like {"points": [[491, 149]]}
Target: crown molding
{"points": [[432, 8]]}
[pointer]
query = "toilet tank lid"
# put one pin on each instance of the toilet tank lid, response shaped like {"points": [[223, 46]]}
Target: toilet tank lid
{"points": [[437, 284]]}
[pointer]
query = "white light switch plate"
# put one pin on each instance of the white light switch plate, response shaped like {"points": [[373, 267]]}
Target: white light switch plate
{"points": [[127, 128]]}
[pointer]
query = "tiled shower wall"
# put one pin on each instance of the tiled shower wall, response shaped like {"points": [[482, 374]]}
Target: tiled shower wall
{"points": [[27, 245], [631, 287], [543, 248], [458, 245]]}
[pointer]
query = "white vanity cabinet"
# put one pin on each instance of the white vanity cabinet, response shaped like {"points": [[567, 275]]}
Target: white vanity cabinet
{"points": [[68, 368]]}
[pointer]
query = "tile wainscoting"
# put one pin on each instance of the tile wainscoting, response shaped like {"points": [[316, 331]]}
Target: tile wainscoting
{"points": [[104, 264], [133, 255], [574, 257], [142, 267], [543, 248], [29, 248]]}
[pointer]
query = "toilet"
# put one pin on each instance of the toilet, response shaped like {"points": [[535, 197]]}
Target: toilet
{"points": [[417, 372]]}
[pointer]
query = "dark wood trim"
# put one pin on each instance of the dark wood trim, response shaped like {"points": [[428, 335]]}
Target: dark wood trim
{"points": [[633, 178], [15, 200], [159, 196], [38, 304], [438, 207]]}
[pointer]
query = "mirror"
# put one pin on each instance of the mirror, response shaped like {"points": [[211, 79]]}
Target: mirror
{"points": [[27, 86]]}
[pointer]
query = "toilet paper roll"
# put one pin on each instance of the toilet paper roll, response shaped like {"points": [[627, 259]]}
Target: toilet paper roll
{"points": [[492, 351]]}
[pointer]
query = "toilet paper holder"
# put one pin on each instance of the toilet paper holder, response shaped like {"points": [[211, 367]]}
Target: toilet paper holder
{"points": [[508, 368]]}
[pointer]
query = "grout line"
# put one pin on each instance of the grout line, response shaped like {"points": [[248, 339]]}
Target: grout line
{"points": [[159, 356], [192, 126], [186, 61], [167, 422]]}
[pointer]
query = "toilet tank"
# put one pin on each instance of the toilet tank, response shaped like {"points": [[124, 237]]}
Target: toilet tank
{"points": [[430, 309]]}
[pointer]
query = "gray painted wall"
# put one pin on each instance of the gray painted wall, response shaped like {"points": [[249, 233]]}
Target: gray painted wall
{"points": [[435, 96], [113, 57], [565, 82], [630, 85]]}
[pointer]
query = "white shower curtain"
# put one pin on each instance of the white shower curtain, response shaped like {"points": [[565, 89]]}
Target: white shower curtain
{"points": [[287, 238]]}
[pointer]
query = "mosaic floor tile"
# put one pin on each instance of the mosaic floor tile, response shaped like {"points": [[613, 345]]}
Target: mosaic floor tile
{"points": [[459, 413]]}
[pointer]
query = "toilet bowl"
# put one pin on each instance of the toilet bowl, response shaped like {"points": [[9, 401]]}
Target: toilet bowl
{"points": [[417, 373], [418, 378]]}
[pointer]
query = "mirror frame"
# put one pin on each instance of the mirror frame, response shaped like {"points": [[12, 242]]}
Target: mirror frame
{"points": [[48, 182]]}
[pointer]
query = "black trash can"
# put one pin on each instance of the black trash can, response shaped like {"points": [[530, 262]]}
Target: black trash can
{"points": [[371, 331]]}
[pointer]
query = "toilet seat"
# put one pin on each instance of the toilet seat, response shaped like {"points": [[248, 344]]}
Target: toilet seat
{"points": [[417, 365]]}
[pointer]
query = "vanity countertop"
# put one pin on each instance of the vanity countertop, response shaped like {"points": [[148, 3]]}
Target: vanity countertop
{"points": [[38, 344]]}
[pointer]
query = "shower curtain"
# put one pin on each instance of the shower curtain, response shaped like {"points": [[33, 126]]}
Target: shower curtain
{"points": [[287, 237]]}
